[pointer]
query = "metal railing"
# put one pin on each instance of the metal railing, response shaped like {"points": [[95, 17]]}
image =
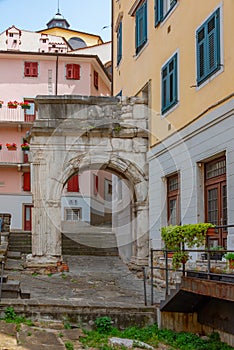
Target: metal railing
{"points": [[207, 257], [1, 278]]}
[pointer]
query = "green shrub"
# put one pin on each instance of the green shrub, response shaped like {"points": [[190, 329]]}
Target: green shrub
{"points": [[103, 324]]}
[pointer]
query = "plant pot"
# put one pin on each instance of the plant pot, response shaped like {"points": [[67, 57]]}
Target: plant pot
{"points": [[0, 147], [25, 107], [231, 264], [25, 149], [211, 231], [12, 148], [12, 107], [0, 106]]}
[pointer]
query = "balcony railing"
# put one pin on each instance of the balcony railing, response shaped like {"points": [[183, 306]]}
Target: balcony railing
{"points": [[10, 157], [15, 115]]}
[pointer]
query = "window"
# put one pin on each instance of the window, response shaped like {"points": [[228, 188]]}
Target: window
{"points": [[162, 8], [173, 204], [73, 184], [30, 69], [73, 214], [73, 71], [26, 181], [216, 197], [141, 26], [95, 184], [208, 48], [95, 79], [169, 84], [119, 43]]}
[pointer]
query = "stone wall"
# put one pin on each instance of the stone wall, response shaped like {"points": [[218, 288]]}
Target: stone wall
{"points": [[5, 222]]}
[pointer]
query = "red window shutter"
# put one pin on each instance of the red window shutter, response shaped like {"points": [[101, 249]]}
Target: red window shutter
{"points": [[69, 74], [26, 69], [30, 69], [76, 71], [95, 76], [26, 182], [95, 183], [34, 69], [73, 184]]}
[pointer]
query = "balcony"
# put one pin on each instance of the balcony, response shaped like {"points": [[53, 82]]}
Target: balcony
{"points": [[13, 157], [16, 115]]}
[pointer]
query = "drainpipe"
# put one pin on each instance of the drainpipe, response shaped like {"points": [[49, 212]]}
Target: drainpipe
{"points": [[112, 49], [56, 77]]}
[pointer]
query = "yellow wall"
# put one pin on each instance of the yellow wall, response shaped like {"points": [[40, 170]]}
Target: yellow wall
{"points": [[90, 39], [175, 33]]}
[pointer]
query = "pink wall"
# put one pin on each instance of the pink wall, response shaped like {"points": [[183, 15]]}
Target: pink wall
{"points": [[14, 86], [11, 180]]}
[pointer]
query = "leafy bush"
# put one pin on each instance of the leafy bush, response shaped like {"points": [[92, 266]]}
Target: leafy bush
{"points": [[103, 324]]}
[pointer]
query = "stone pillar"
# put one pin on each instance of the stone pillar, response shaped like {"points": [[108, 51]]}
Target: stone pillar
{"points": [[46, 221], [142, 234]]}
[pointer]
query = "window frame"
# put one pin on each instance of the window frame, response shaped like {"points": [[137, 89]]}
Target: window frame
{"points": [[141, 15], [203, 48], [173, 195], [165, 105], [159, 14], [95, 79], [31, 69], [72, 71], [72, 210], [119, 42]]}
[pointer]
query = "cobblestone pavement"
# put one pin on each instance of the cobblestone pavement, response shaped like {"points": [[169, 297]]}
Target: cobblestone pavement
{"points": [[91, 280]]}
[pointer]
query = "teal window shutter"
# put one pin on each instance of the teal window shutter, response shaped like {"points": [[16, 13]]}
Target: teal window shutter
{"points": [[158, 6], [169, 84], [141, 26], [208, 48], [119, 43]]}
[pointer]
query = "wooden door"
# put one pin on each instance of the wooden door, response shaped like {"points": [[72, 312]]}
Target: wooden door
{"points": [[28, 217]]}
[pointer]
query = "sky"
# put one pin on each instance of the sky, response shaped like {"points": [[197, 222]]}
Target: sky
{"points": [[84, 15]]}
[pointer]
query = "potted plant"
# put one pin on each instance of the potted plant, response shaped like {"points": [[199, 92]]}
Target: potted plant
{"points": [[11, 146], [215, 252], [230, 258], [24, 105], [177, 237], [12, 104], [1, 103], [25, 146]]}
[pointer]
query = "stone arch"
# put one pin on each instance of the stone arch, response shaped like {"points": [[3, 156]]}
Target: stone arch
{"points": [[57, 153]]}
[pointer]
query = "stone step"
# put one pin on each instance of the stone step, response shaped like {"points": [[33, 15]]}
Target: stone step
{"points": [[11, 289], [14, 255]]}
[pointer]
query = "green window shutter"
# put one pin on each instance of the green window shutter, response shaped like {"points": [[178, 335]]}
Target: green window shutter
{"points": [[208, 47], [169, 84]]}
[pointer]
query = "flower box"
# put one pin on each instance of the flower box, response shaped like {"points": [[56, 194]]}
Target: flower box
{"points": [[25, 146], [24, 105], [12, 104], [11, 146]]}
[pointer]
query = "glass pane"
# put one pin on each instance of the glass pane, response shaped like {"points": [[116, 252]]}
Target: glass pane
{"points": [[224, 202], [27, 213], [173, 183], [213, 206], [215, 169], [172, 211]]}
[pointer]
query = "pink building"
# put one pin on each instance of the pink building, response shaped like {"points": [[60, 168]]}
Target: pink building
{"points": [[40, 63]]}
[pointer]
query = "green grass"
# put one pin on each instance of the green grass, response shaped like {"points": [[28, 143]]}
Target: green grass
{"points": [[152, 336]]}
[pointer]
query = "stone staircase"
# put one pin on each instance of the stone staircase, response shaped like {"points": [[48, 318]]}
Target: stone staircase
{"points": [[77, 239], [20, 241], [83, 239], [10, 289]]}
